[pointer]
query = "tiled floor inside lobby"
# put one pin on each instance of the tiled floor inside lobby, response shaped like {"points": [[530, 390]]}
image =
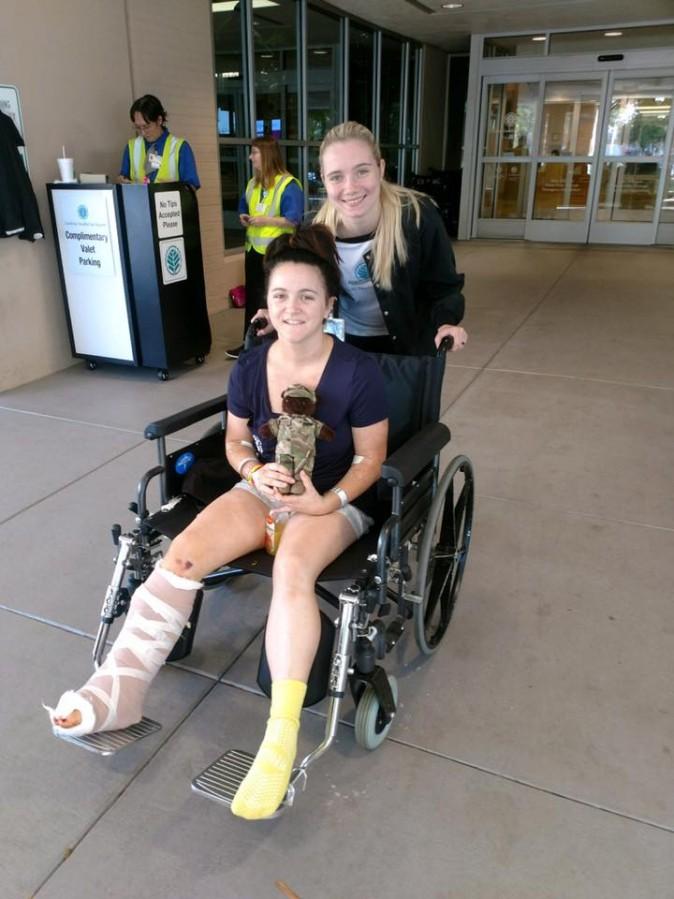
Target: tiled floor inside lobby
{"points": [[533, 755]]}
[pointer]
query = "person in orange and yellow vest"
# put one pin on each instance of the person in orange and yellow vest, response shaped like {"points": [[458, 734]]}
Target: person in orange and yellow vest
{"points": [[273, 204], [156, 154]]}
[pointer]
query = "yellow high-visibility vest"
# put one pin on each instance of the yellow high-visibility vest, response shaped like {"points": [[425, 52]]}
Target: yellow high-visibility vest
{"points": [[258, 237], [168, 170]]}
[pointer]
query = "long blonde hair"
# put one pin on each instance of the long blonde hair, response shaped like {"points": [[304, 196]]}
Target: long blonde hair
{"points": [[389, 242]]}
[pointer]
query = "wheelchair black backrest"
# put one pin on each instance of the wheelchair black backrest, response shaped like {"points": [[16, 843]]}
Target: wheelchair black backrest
{"points": [[413, 390]]}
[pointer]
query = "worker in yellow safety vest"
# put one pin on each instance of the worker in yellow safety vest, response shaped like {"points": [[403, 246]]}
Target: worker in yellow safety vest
{"points": [[273, 204], [156, 154]]}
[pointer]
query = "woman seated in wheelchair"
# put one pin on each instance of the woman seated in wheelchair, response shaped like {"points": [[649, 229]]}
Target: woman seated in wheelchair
{"points": [[303, 278]]}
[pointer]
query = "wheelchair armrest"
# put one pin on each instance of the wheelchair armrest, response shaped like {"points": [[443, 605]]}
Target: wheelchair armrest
{"points": [[180, 420], [408, 460]]}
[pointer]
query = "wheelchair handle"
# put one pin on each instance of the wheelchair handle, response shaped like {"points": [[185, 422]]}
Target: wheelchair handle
{"points": [[446, 344], [251, 339]]}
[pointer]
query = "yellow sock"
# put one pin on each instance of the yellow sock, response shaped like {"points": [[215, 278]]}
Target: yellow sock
{"points": [[266, 783]]}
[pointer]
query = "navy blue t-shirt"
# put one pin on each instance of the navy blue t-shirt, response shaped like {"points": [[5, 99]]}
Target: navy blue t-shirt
{"points": [[350, 394]]}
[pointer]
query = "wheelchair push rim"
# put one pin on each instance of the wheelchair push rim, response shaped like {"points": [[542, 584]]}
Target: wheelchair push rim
{"points": [[443, 553]]}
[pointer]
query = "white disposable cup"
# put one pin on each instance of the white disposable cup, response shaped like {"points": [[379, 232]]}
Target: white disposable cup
{"points": [[66, 170]]}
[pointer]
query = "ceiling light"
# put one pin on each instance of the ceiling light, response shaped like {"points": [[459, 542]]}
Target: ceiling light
{"points": [[452, 5], [319, 52], [613, 34], [539, 37], [266, 55]]}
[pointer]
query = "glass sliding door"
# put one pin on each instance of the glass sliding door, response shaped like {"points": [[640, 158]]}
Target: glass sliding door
{"points": [[509, 120], [633, 168], [565, 163]]}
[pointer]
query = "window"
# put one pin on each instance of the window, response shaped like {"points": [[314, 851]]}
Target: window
{"points": [[229, 72], [258, 66], [519, 45], [234, 175], [276, 71], [391, 91], [612, 40], [361, 74], [324, 73]]}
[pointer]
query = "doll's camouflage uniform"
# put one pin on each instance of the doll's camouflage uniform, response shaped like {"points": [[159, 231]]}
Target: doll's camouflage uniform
{"points": [[296, 432]]}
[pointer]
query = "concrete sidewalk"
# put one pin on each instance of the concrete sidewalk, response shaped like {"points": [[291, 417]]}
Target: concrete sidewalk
{"points": [[532, 754]]}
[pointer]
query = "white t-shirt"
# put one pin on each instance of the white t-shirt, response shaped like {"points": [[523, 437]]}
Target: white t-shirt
{"points": [[358, 304]]}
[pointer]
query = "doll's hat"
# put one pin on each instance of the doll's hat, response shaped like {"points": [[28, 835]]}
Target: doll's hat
{"points": [[299, 391]]}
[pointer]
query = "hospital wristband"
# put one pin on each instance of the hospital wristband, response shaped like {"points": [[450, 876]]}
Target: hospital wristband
{"points": [[341, 495], [244, 462]]}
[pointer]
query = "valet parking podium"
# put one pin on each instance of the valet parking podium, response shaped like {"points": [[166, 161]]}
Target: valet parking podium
{"points": [[132, 277]]}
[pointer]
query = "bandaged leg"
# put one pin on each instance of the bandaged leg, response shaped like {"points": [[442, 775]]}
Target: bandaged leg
{"points": [[266, 783], [113, 696]]}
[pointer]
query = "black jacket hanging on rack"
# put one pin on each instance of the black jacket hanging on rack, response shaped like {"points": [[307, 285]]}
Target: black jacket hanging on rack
{"points": [[19, 214]]}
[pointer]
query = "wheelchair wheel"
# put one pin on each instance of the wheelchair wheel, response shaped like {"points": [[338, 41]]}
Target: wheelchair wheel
{"points": [[370, 731], [443, 553]]}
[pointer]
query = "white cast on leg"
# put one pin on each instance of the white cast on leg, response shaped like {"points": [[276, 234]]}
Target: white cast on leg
{"points": [[113, 696]]}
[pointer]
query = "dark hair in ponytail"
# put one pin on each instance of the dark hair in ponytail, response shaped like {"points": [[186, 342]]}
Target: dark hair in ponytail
{"points": [[311, 245]]}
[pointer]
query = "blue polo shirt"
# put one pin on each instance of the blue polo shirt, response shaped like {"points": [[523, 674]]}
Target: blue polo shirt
{"points": [[187, 166]]}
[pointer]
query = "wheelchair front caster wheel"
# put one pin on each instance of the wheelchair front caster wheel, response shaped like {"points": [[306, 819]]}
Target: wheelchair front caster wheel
{"points": [[163, 374], [369, 727], [91, 365], [443, 553], [200, 359]]}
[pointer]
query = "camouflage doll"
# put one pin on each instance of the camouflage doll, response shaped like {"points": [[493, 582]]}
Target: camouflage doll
{"points": [[296, 433]]}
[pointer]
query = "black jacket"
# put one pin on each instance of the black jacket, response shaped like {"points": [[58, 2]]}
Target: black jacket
{"points": [[426, 290], [19, 213]]}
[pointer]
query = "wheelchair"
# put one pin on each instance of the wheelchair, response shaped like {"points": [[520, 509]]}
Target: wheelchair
{"points": [[404, 574]]}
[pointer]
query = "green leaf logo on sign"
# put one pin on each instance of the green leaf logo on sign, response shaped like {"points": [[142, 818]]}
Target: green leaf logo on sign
{"points": [[174, 260]]}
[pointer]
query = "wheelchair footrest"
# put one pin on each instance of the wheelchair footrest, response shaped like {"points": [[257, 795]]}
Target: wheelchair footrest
{"points": [[111, 741], [222, 779]]}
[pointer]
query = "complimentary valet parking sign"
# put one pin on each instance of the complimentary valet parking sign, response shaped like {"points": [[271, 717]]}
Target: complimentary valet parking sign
{"points": [[169, 216], [84, 233]]}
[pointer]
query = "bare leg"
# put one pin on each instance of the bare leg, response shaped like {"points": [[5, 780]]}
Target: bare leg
{"points": [[113, 696], [293, 632]]}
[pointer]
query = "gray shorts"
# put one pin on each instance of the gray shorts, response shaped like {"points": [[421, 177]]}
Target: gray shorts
{"points": [[359, 521]]}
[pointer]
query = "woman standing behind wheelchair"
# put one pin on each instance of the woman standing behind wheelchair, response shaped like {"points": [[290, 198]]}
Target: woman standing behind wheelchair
{"points": [[400, 290], [303, 281], [272, 204]]}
